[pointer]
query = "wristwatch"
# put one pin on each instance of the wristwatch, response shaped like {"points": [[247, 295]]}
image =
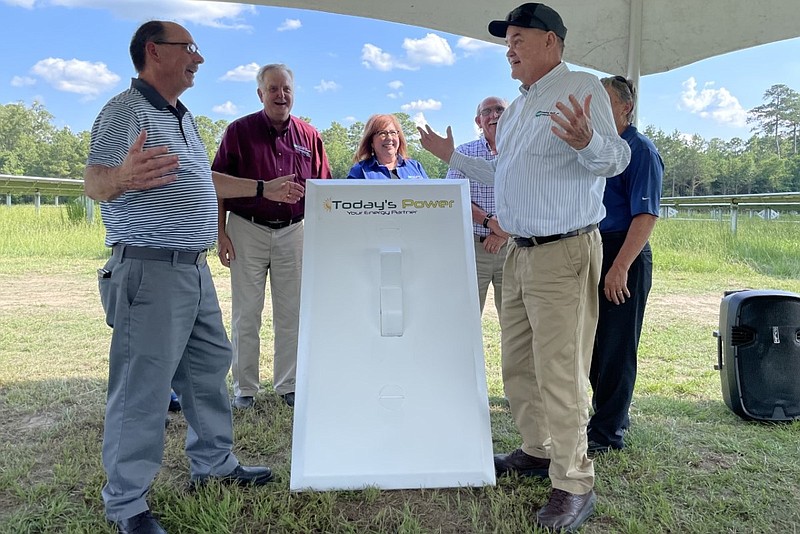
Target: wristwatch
{"points": [[260, 188], [486, 219]]}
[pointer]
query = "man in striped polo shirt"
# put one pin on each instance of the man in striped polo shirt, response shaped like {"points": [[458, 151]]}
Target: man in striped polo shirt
{"points": [[149, 169], [556, 143], [490, 239]]}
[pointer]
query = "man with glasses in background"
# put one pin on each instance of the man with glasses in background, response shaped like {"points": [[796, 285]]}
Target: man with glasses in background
{"points": [[149, 169], [262, 237], [490, 239]]}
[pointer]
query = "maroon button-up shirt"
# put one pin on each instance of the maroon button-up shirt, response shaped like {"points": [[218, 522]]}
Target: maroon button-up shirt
{"points": [[252, 148]]}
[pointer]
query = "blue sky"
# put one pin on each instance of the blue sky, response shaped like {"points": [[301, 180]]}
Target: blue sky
{"points": [[72, 56]]}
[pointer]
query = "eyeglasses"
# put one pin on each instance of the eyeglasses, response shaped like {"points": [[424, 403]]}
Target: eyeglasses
{"points": [[385, 134], [190, 47], [498, 110]]}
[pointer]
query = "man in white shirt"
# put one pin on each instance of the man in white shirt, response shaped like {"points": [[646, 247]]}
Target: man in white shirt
{"points": [[556, 142]]}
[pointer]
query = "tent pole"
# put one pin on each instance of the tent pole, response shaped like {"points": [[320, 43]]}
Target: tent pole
{"points": [[635, 52]]}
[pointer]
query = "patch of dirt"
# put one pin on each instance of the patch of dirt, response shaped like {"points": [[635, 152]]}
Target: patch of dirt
{"points": [[56, 292], [701, 308]]}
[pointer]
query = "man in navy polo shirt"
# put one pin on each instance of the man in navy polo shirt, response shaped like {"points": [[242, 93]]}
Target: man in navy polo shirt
{"points": [[632, 201]]}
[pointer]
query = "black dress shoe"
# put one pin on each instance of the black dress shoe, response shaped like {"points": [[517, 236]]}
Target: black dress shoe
{"points": [[288, 398], [566, 511], [521, 463], [243, 476], [143, 523], [595, 448]]}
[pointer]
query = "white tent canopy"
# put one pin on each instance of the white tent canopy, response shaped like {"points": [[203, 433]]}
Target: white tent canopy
{"points": [[634, 37]]}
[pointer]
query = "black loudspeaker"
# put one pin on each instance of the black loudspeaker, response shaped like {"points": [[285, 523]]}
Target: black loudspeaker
{"points": [[758, 352]]}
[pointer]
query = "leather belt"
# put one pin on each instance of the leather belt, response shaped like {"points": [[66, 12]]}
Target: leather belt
{"points": [[543, 240], [161, 254], [275, 225]]}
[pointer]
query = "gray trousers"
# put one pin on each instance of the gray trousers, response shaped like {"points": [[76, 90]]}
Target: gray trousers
{"points": [[167, 332]]}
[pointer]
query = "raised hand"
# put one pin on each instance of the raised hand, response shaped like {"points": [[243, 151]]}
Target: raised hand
{"points": [[441, 147], [576, 126]]}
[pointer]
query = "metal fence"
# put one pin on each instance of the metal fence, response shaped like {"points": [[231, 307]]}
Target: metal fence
{"points": [[734, 204]]}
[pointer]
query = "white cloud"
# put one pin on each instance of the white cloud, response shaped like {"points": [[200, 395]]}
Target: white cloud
{"points": [[228, 108], [430, 50], [350, 119], [470, 45], [242, 73], [325, 85], [28, 4], [718, 105], [290, 24], [214, 14], [373, 57], [419, 119], [395, 85], [76, 76], [422, 105], [22, 81]]}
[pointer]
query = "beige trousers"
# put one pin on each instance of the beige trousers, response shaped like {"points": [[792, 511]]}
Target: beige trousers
{"points": [[261, 251], [550, 304], [490, 271]]}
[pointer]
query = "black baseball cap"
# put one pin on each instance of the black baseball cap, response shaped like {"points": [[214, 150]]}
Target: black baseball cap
{"points": [[530, 15]]}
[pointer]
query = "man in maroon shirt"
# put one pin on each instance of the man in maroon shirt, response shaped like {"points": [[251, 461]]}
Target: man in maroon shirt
{"points": [[261, 236]]}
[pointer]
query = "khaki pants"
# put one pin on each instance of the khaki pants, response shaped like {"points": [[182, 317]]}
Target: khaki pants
{"points": [[550, 304], [490, 271], [260, 251]]}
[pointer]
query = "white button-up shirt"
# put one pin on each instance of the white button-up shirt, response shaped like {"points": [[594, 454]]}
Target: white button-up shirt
{"points": [[543, 186]]}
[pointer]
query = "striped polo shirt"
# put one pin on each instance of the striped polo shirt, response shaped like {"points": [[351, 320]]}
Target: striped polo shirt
{"points": [[180, 215]]}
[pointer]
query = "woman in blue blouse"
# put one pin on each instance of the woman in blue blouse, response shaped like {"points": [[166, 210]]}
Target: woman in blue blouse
{"points": [[382, 155]]}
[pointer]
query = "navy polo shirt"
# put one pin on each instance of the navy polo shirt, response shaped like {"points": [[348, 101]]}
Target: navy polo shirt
{"points": [[638, 189]]}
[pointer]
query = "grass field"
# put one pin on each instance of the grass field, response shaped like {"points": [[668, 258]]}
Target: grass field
{"points": [[690, 466]]}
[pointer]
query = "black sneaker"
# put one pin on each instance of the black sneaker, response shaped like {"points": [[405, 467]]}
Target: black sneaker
{"points": [[288, 398]]}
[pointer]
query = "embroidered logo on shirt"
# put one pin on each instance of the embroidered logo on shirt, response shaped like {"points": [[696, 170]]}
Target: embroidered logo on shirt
{"points": [[545, 113], [303, 150]]}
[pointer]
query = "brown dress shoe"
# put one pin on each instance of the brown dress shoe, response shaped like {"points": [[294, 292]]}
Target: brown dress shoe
{"points": [[521, 463], [566, 511]]}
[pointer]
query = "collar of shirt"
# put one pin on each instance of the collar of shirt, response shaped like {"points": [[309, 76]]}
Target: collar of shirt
{"points": [[547, 80], [375, 163], [271, 127], [155, 98]]}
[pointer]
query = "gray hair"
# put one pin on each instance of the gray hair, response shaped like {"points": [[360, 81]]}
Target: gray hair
{"points": [[624, 90], [262, 72]]}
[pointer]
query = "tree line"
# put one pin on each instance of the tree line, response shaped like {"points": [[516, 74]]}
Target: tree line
{"points": [[767, 162]]}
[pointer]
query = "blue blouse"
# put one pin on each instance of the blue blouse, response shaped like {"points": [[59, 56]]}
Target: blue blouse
{"points": [[370, 169]]}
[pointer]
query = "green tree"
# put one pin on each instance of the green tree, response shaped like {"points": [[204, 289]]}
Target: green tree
{"points": [[211, 133], [24, 131], [339, 153], [778, 111]]}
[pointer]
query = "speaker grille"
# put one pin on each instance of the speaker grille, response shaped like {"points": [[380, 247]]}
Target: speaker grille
{"points": [[742, 335]]}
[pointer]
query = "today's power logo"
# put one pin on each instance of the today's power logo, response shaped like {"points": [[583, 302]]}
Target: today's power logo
{"points": [[406, 206]]}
